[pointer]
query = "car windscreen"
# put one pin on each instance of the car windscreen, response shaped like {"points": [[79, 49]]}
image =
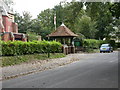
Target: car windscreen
{"points": [[105, 45]]}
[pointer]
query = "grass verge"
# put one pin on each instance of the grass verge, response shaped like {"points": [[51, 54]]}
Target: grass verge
{"points": [[13, 60]]}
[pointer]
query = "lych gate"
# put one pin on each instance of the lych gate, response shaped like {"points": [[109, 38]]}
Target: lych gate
{"points": [[65, 36]]}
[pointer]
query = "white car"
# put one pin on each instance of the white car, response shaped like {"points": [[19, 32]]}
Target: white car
{"points": [[106, 48]]}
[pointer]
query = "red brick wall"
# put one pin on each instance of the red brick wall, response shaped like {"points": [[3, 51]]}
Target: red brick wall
{"points": [[15, 27], [4, 23], [7, 37], [1, 26], [8, 25]]}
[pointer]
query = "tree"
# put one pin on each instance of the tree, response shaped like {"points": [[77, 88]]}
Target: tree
{"points": [[36, 26], [45, 20], [67, 13], [71, 12], [116, 33], [108, 30], [27, 21], [93, 9], [19, 21], [115, 10], [24, 22], [99, 11], [86, 26]]}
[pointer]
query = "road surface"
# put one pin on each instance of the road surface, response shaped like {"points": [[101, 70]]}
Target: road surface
{"points": [[100, 71]]}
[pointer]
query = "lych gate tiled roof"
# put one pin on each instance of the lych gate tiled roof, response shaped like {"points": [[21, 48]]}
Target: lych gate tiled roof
{"points": [[62, 31]]}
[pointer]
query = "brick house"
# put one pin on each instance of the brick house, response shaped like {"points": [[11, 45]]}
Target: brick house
{"points": [[8, 28]]}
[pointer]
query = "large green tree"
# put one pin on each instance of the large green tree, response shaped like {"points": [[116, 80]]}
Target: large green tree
{"points": [[99, 11], [72, 11], [46, 22], [86, 26], [115, 9], [67, 13], [24, 22]]}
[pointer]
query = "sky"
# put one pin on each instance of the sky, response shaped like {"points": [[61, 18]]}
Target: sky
{"points": [[34, 6]]}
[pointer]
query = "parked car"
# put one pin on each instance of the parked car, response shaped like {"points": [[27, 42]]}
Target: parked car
{"points": [[106, 48]]}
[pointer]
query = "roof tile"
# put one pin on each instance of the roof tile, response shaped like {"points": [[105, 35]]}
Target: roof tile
{"points": [[62, 31]]}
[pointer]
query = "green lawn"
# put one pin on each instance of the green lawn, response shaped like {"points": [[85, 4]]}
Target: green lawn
{"points": [[12, 60]]}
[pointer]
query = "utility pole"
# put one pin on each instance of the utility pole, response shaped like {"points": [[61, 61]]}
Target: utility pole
{"points": [[55, 20]]}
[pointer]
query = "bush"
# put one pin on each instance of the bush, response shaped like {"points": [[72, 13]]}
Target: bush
{"points": [[92, 43], [95, 44], [112, 43], [32, 36], [20, 48], [118, 44]]}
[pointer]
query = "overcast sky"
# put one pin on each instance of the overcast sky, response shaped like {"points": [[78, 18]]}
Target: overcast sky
{"points": [[35, 6]]}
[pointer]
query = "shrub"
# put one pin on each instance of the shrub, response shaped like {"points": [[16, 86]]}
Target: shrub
{"points": [[92, 43], [20, 48], [112, 43], [118, 44], [32, 36], [95, 44]]}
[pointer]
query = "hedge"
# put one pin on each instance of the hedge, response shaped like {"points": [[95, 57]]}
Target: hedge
{"points": [[92, 43], [21, 48], [118, 44]]}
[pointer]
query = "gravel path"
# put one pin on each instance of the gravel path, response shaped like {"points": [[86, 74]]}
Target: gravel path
{"points": [[40, 65]]}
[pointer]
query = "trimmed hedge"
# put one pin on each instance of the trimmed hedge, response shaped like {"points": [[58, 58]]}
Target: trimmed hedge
{"points": [[95, 44], [21, 48], [92, 43]]}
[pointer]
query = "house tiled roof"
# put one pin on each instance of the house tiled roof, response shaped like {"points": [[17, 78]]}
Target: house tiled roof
{"points": [[62, 31]]}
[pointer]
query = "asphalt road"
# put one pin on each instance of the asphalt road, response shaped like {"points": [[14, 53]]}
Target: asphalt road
{"points": [[101, 71]]}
